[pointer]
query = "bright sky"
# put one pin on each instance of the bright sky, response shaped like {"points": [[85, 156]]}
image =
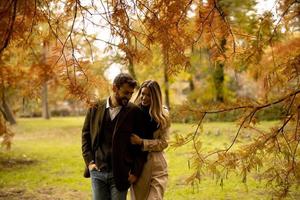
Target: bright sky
{"points": [[265, 5], [113, 71]]}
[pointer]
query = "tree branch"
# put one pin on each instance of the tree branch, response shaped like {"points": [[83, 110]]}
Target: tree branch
{"points": [[11, 26]]}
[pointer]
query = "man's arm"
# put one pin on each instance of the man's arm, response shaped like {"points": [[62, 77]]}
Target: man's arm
{"points": [[86, 144], [140, 128]]}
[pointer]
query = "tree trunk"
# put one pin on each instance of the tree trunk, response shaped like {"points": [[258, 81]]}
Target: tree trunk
{"points": [[131, 68], [45, 107], [191, 84], [130, 58], [4, 106], [7, 113], [219, 81], [166, 83], [218, 74], [191, 78]]}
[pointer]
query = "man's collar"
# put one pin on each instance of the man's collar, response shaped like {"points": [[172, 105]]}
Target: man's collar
{"points": [[108, 105]]}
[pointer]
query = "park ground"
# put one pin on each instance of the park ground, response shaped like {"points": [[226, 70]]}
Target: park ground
{"points": [[45, 163]]}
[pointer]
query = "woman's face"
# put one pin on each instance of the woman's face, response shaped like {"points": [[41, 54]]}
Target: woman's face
{"points": [[145, 96]]}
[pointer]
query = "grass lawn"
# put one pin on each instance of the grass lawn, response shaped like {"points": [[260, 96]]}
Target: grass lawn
{"points": [[45, 163]]}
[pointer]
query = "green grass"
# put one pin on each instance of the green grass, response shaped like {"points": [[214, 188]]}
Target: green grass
{"points": [[54, 147], [46, 159]]}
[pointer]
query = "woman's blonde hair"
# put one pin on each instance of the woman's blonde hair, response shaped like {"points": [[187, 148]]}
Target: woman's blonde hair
{"points": [[156, 110]]}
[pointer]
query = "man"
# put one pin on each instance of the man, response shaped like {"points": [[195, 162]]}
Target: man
{"points": [[113, 163]]}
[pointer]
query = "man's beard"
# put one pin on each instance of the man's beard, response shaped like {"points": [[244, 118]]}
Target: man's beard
{"points": [[122, 101]]}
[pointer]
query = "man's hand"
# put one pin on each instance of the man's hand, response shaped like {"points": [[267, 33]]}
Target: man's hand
{"points": [[135, 139], [131, 178], [92, 166]]}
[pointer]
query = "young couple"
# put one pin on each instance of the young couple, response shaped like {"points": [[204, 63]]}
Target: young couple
{"points": [[123, 143]]}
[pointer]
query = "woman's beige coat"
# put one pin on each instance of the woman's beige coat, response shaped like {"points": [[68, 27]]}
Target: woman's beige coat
{"points": [[153, 181]]}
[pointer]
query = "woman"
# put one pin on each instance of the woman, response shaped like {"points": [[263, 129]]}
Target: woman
{"points": [[153, 180]]}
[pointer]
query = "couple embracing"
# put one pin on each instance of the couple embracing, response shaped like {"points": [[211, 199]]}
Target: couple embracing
{"points": [[123, 143]]}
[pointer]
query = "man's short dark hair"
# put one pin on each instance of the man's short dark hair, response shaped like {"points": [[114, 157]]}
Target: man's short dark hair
{"points": [[123, 78]]}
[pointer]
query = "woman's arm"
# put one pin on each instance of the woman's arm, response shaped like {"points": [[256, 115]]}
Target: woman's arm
{"points": [[157, 144]]}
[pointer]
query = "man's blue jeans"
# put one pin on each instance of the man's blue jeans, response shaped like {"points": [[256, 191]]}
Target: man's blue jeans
{"points": [[104, 187]]}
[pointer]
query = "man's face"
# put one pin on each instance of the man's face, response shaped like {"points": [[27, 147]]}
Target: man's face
{"points": [[123, 94]]}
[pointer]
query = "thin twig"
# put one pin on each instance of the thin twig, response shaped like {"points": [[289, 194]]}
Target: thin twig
{"points": [[194, 137]]}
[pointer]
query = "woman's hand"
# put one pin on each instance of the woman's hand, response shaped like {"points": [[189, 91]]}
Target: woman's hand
{"points": [[131, 178], [135, 139]]}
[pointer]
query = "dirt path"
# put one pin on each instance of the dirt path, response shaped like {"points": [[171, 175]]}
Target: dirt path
{"points": [[50, 193]]}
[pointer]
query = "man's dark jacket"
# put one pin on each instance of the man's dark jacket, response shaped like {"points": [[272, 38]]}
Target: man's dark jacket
{"points": [[125, 156]]}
